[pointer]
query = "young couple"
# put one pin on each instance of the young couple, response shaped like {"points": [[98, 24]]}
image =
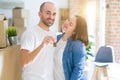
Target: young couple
{"points": [[41, 60]]}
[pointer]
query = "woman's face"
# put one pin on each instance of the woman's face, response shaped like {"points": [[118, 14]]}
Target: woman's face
{"points": [[69, 25]]}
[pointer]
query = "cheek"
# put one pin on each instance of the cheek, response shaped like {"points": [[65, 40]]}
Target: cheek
{"points": [[73, 29], [54, 16], [65, 28]]}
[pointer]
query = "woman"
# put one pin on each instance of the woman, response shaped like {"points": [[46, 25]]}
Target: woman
{"points": [[70, 52]]}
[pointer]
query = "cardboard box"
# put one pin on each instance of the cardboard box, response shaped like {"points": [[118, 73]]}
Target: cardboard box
{"points": [[3, 27], [20, 13], [20, 22], [20, 30]]}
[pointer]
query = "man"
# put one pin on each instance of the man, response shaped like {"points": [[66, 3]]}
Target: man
{"points": [[37, 46]]}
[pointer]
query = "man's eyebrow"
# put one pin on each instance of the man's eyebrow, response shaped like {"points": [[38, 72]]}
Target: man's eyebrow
{"points": [[47, 11], [50, 12]]}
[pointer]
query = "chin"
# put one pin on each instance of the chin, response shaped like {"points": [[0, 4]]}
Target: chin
{"points": [[50, 24]]}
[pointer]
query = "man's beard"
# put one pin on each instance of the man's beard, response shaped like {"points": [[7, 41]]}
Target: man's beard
{"points": [[48, 23]]}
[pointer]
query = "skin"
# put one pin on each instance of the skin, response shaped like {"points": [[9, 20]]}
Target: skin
{"points": [[69, 27], [75, 28], [47, 18]]}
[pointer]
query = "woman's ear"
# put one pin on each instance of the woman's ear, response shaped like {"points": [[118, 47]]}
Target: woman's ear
{"points": [[74, 33]]}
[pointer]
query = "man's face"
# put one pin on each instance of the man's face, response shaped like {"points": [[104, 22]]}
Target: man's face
{"points": [[48, 14]]}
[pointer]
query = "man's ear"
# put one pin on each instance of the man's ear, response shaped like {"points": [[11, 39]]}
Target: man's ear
{"points": [[39, 13]]}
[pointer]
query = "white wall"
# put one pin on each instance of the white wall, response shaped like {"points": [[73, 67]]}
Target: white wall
{"points": [[102, 23], [33, 7]]}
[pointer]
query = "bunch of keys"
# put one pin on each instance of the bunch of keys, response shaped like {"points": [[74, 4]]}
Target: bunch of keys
{"points": [[54, 44]]}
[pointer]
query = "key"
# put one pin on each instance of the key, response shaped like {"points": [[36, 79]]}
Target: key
{"points": [[54, 44]]}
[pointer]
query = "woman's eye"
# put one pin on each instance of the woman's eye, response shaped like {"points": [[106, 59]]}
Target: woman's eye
{"points": [[71, 23]]}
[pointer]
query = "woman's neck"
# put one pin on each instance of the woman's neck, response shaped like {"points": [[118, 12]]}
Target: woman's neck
{"points": [[66, 36]]}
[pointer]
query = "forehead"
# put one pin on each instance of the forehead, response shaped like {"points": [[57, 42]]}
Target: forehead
{"points": [[73, 19], [49, 7]]}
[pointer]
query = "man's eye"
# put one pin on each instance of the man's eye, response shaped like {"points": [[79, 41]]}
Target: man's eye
{"points": [[54, 14], [47, 13]]}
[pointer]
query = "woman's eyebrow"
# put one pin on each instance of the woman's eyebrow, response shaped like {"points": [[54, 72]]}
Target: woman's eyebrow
{"points": [[69, 19]]}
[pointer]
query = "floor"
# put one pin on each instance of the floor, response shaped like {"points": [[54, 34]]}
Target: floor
{"points": [[113, 71]]}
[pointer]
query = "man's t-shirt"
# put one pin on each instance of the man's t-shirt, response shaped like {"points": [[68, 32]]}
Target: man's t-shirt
{"points": [[41, 68]]}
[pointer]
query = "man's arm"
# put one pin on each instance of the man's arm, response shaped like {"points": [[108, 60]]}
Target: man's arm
{"points": [[27, 56]]}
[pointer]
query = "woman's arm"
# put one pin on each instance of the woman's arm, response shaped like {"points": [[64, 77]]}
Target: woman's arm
{"points": [[78, 55]]}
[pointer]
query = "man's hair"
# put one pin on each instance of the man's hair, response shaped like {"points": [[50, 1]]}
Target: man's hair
{"points": [[42, 5]]}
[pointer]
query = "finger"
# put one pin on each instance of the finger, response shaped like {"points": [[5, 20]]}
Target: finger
{"points": [[52, 38], [49, 39]]}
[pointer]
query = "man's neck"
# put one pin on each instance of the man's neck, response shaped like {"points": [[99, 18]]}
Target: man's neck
{"points": [[43, 26]]}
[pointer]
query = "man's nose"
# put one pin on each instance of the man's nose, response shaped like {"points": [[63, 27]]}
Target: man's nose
{"points": [[52, 16]]}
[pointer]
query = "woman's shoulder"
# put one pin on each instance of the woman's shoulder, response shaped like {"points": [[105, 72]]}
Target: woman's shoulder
{"points": [[77, 43]]}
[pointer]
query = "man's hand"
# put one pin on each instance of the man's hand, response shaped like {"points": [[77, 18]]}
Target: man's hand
{"points": [[48, 40]]}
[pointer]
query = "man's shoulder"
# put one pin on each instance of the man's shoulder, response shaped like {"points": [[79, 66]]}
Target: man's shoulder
{"points": [[29, 31], [31, 28]]}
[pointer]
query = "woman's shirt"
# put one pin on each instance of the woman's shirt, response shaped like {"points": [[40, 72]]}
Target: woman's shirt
{"points": [[58, 64]]}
